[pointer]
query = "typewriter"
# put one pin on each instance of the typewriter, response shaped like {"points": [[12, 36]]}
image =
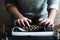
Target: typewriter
{"points": [[41, 33], [33, 30]]}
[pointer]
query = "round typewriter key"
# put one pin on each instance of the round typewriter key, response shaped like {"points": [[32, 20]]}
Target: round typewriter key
{"points": [[29, 28], [32, 28], [35, 27]]}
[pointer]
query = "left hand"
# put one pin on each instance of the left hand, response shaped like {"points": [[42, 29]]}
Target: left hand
{"points": [[46, 22]]}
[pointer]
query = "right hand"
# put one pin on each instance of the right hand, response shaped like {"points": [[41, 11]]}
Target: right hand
{"points": [[23, 22]]}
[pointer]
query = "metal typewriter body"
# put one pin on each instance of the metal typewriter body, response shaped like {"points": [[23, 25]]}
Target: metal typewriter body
{"points": [[32, 31]]}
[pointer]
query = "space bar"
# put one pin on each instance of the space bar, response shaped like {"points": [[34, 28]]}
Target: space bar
{"points": [[32, 33]]}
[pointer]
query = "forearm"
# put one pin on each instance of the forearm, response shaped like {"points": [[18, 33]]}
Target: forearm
{"points": [[14, 11], [52, 14]]}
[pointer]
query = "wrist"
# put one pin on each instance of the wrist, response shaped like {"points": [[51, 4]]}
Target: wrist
{"points": [[51, 19], [19, 17]]}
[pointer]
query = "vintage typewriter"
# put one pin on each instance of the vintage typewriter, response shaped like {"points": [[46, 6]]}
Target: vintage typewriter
{"points": [[32, 29], [41, 33]]}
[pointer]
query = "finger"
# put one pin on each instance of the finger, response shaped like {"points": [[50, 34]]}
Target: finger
{"points": [[19, 24], [40, 19], [15, 22], [22, 22], [46, 23], [26, 28], [43, 21], [50, 24], [29, 21]]}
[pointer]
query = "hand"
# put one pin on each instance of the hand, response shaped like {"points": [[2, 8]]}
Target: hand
{"points": [[46, 22], [23, 22]]}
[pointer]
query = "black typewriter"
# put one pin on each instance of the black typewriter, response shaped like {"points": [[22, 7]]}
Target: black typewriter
{"points": [[34, 32], [32, 29]]}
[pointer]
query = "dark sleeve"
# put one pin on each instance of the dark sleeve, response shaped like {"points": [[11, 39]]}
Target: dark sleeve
{"points": [[10, 3]]}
